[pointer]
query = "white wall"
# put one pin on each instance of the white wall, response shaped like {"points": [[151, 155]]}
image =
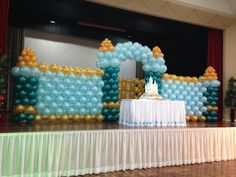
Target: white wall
{"points": [[69, 51], [217, 5], [229, 65]]}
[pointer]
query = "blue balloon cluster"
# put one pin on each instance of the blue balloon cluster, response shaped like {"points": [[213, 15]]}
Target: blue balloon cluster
{"points": [[191, 93], [60, 93], [132, 51], [25, 71]]}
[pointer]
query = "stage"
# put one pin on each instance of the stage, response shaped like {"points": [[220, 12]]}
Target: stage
{"points": [[85, 148]]}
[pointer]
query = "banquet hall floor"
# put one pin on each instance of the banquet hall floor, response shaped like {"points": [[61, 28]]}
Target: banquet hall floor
{"points": [[215, 169]]}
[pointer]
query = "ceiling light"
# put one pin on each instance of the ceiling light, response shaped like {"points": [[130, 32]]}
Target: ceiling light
{"points": [[52, 21]]}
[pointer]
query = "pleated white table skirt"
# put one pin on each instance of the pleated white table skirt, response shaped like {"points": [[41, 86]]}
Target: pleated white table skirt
{"points": [[68, 153], [144, 112]]}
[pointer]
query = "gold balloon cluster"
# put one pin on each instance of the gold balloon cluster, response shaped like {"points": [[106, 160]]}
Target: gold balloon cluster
{"points": [[69, 70], [106, 46], [131, 88], [212, 108], [210, 74], [156, 52], [65, 117], [179, 78], [27, 58], [111, 105], [25, 109], [195, 118]]}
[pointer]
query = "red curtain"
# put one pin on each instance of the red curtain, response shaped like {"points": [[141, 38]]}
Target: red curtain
{"points": [[4, 6], [215, 59]]}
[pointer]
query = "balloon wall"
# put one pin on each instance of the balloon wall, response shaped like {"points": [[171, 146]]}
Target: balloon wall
{"points": [[55, 92], [199, 94]]}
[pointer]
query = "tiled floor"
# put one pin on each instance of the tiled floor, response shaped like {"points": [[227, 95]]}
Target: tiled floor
{"points": [[216, 169]]}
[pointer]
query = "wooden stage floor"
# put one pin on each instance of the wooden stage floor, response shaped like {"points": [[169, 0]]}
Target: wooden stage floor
{"points": [[9, 127]]}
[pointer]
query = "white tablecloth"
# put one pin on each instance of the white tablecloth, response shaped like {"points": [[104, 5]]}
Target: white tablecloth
{"points": [[73, 153], [146, 112]]}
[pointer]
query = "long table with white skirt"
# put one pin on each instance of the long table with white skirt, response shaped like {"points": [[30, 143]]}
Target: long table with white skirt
{"points": [[146, 112]]}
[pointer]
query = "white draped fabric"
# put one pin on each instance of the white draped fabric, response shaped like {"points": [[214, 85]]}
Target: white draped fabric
{"points": [[144, 112], [54, 154]]}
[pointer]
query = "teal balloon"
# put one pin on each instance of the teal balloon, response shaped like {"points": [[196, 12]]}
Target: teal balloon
{"points": [[26, 101], [33, 102], [114, 87], [82, 111], [21, 80], [214, 94], [15, 71], [29, 117], [105, 111], [106, 76], [28, 87], [19, 87], [59, 111], [114, 111], [33, 81], [17, 101], [114, 75], [22, 94], [106, 98], [106, 87], [21, 117], [116, 70], [32, 94], [115, 98]]}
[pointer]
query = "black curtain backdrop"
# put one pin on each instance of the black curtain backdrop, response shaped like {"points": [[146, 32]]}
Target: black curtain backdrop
{"points": [[184, 45], [15, 46]]}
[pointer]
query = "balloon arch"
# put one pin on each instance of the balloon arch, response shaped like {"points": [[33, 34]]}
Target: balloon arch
{"points": [[110, 59], [199, 94]]}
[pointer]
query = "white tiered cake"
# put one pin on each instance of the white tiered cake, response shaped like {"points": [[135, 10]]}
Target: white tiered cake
{"points": [[151, 90]]}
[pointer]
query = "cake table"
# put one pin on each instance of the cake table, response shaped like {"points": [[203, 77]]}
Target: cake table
{"points": [[148, 112]]}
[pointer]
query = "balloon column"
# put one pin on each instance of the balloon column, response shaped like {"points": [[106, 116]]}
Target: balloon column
{"points": [[110, 58], [211, 83], [26, 85], [56, 92]]}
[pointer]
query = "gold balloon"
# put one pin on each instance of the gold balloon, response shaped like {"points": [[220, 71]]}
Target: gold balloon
{"points": [[64, 117], [30, 110], [19, 109], [52, 117], [194, 118], [42, 67], [38, 118], [99, 118], [45, 117], [82, 117], [58, 117], [202, 118], [187, 118], [88, 117], [54, 68], [76, 117]]}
